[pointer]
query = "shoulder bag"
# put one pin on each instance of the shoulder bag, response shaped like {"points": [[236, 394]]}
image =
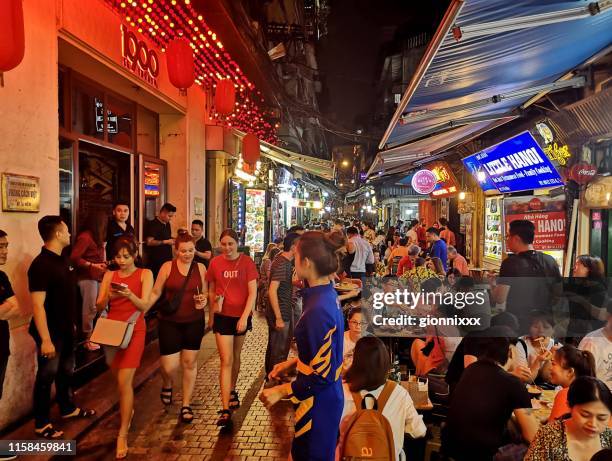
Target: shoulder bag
{"points": [[114, 333], [170, 306]]}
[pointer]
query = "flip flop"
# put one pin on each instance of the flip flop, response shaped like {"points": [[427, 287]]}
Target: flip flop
{"points": [[49, 432], [80, 413]]}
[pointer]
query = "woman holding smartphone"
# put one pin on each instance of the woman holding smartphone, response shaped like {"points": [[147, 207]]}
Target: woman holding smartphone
{"points": [[181, 333], [232, 280], [126, 292]]}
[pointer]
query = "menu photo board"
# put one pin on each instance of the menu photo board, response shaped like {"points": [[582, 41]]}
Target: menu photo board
{"points": [[517, 164], [493, 237]]}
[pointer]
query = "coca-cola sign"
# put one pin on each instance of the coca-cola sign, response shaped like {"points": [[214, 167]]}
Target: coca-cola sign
{"points": [[583, 173]]}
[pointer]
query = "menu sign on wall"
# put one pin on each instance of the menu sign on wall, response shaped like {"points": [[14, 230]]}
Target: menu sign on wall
{"points": [[493, 228], [517, 164], [547, 213]]}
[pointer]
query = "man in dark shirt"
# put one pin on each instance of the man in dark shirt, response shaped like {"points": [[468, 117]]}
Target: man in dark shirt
{"points": [[9, 309], [158, 238], [281, 312], [482, 404], [438, 246], [203, 248], [528, 280], [53, 290], [118, 226]]}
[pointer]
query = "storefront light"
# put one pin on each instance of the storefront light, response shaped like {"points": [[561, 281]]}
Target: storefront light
{"points": [[482, 177], [306, 194], [461, 195], [317, 205]]}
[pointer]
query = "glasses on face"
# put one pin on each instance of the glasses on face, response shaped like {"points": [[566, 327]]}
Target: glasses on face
{"points": [[355, 323]]}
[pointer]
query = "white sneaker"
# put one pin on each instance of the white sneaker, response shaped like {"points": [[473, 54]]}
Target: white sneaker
{"points": [[92, 346]]}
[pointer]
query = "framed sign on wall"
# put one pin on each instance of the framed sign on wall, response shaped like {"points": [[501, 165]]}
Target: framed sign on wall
{"points": [[20, 193]]}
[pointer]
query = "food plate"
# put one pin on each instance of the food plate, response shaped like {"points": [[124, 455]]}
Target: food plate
{"points": [[346, 286]]}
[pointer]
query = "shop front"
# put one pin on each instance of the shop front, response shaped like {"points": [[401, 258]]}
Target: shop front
{"points": [[90, 122], [516, 178]]}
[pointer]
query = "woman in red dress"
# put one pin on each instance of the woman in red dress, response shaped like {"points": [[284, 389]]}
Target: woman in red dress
{"points": [[126, 291]]}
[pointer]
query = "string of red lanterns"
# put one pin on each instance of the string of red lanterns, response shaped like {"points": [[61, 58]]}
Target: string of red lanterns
{"points": [[163, 21]]}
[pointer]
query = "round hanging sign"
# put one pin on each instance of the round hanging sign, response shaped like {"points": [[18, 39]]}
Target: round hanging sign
{"points": [[424, 182], [583, 172]]}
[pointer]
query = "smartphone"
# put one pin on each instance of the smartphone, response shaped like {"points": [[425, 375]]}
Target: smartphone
{"points": [[118, 286]]}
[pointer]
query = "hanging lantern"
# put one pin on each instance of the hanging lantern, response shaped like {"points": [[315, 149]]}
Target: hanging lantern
{"points": [[181, 69], [12, 36], [225, 97], [250, 148]]}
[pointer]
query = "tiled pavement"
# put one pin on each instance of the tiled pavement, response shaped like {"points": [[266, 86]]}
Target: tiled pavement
{"points": [[156, 433]]}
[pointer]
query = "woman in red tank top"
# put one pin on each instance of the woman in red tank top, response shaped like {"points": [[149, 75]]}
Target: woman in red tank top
{"points": [[180, 334], [126, 291]]}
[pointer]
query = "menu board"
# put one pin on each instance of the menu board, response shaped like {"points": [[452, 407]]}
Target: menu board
{"points": [[255, 219], [546, 213], [493, 228], [237, 206]]}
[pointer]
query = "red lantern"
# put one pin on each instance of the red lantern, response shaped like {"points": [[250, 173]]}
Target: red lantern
{"points": [[12, 36], [583, 173], [181, 69], [250, 148], [225, 97]]}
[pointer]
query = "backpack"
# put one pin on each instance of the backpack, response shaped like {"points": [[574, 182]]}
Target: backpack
{"points": [[369, 435]]}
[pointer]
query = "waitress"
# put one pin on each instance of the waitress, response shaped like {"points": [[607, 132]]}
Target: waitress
{"points": [[232, 291], [319, 335]]}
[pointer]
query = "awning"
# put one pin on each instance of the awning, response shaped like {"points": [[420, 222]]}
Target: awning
{"points": [[488, 58], [304, 163]]}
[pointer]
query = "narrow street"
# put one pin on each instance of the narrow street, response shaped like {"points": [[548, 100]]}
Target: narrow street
{"points": [[156, 433]]}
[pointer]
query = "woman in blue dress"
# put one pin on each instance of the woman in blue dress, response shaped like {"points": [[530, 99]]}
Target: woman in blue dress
{"points": [[317, 390]]}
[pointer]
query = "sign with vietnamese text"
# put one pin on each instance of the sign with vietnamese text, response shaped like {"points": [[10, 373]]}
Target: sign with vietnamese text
{"points": [[20, 193], [548, 215], [518, 164]]}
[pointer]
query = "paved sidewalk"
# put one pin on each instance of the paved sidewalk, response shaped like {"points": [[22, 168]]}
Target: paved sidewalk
{"points": [[157, 433]]}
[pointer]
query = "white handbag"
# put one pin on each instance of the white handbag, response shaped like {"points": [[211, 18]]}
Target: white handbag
{"points": [[114, 333]]}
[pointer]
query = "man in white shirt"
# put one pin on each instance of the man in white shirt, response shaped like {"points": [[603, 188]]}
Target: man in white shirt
{"points": [[599, 343], [362, 251]]}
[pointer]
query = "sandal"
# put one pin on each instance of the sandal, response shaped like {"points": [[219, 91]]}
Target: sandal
{"points": [[166, 395], [234, 402], [186, 414], [121, 453], [225, 420], [49, 432], [80, 413]]}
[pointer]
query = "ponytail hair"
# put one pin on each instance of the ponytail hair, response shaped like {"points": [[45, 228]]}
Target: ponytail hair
{"points": [[320, 249], [582, 362]]}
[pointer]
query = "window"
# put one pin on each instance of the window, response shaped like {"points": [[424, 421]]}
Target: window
{"points": [[119, 122], [88, 111]]}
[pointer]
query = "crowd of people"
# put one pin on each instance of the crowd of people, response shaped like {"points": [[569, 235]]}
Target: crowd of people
{"points": [[338, 375]]}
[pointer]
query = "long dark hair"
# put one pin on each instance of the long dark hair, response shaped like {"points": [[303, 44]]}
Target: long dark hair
{"points": [[370, 366], [595, 266], [96, 223], [587, 389]]}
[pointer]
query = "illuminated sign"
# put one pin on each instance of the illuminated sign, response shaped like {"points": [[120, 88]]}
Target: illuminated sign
{"points": [[446, 182], [476, 169], [138, 58], [424, 182], [518, 164], [555, 152], [151, 182]]}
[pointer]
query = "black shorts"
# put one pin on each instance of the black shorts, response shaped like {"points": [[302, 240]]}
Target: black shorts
{"points": [[175, 337], [226, 326]]}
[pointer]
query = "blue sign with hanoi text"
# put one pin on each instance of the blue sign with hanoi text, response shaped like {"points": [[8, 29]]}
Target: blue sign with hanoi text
{"points": [[518, 164], [478, 171]]}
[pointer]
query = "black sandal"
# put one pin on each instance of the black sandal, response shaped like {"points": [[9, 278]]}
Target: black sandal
{"points": [[186, 414], [49, 432], [225, 420], [234, 402], [166, 395], [80, 413]]}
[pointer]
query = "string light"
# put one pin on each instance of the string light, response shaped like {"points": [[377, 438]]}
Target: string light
{"points": [[164, 20]]}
